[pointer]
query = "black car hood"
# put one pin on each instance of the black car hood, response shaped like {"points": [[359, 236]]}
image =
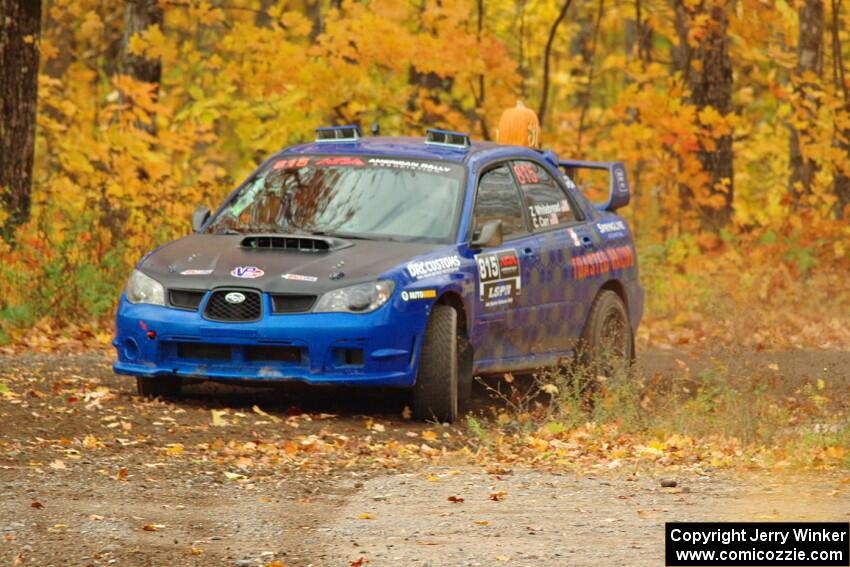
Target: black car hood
{"points": [[183, 263]]}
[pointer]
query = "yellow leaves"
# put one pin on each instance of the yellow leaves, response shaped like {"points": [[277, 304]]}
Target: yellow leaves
{"points": [[365, 516], [174, 449], [92, 25], [429, 435], [151, 44]]}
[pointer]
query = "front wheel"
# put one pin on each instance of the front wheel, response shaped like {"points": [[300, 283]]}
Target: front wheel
{"points": [[158, 386], [606, 345], [435, 395]]}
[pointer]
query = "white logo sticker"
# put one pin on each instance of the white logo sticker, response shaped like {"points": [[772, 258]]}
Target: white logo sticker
{"points": [[427, 268], [247, 272], [299, 278]]}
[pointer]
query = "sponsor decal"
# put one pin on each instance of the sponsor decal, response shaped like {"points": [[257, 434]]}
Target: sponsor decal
{"points": [[602, 262], [299, 278], [574, 236], [436, 266], [292, 163], [234, 297], [196, 272], [340, 160], [526, 174], [407, 164], [499, 277], [416, 294], [611, 230], [247, 272]]}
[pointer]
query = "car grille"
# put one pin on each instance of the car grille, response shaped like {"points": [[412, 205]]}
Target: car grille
{"points": [[185, 298], [292, 303], [219, 309]]}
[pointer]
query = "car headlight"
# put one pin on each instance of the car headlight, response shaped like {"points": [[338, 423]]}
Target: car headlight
{"points": [[361, 298], [144, 289]]}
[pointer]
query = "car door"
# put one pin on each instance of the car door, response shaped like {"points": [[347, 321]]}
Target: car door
{"points": [[501, 305], [556, 296]]}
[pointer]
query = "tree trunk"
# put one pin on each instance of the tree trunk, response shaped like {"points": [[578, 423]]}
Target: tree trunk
{"points": [[139, 15], [710, 83], [547, 54], [20, 27], [809, 58], [841, 177]]}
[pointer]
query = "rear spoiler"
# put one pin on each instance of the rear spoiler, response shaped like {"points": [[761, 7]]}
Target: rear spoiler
{"points": [[618, 187]]}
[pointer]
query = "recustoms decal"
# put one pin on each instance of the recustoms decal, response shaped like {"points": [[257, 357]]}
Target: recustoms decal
{"points": [[415, 294], [196, 272], [499, 277], [247, 272], [602, 262], [427, 268]]}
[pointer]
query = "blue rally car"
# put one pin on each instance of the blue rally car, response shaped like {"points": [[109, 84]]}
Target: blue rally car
{"points": [[383, 261]]}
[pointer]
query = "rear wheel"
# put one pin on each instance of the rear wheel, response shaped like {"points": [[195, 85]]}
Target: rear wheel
{"points": [[606, 346], [158, 386], [435, 395]]}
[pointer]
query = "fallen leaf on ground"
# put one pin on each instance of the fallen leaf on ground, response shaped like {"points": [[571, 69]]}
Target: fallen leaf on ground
{"points": [[37, 505], [429, 435], [58, 464], [365, 516], [498, 495], [217, 419], [358, 562], [481, 522], [455, 499], [121, 474], [258, 411]]}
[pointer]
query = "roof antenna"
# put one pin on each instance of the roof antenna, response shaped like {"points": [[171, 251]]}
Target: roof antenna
{"points": [[375, 128]]}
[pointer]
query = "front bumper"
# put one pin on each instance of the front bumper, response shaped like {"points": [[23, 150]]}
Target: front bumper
{"points": [[373, 349]]}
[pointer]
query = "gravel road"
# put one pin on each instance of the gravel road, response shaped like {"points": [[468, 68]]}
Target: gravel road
{"points": [[92, 475]]}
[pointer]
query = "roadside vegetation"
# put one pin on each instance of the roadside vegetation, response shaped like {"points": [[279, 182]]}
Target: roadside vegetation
{"points": [[728, 411]]}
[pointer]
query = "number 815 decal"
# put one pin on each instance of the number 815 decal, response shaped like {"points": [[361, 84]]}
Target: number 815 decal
{"points": [[499, 277]]}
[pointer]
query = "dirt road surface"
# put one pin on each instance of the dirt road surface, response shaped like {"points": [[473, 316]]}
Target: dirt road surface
{"points": [[93, 475]]}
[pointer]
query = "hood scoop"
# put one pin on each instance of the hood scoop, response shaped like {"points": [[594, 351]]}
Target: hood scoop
{"points": [[291, 243]]}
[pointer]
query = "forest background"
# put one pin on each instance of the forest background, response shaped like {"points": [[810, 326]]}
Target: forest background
{"points": [[732, 116]]}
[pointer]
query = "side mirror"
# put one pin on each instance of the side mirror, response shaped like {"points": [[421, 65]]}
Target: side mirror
{"points": [[200, 217], [490, 235]]}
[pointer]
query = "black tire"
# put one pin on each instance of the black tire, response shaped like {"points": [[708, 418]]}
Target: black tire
{"points": [[158, 386], [607, 346], [465, 362], [435, 395]]}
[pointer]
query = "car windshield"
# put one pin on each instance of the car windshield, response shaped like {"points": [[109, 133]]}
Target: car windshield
{"points": [[347, 196]]}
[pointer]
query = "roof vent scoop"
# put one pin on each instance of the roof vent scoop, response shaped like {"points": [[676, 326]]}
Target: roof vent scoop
{"points": [[447, 139], [349, 133]]}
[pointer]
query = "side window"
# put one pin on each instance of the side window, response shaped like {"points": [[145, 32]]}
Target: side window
{"points": [[548, 204], [498, 199]]}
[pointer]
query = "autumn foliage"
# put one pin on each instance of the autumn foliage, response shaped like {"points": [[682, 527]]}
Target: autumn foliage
{"points": [[121, 163]]}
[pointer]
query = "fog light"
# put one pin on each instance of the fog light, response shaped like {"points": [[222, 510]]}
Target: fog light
{"points": [[131, 349]]}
